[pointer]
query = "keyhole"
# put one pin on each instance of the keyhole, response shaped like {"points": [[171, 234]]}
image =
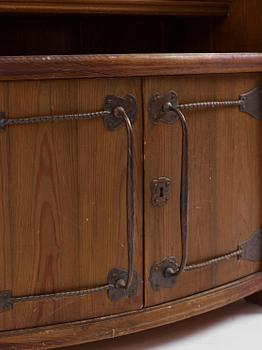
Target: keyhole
{"points": [[160, 191]]}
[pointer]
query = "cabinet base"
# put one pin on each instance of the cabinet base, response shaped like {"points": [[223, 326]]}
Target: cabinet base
{"points": [[255, 298], [114, 326]]}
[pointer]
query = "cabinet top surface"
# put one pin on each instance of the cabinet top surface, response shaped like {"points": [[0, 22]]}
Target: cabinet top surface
{"points": [[127, 65], [164, 7]]}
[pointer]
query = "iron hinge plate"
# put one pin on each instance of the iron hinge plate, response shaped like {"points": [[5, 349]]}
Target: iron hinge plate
{"points": [[251, 102], [252, 248], [112, 122], [158, 112], [116, 291], [163, 274], [5, 300]]}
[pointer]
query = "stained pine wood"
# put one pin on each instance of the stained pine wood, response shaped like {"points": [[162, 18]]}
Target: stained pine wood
{"points": [[118, 325], [224, 182], [63, 187], [241, 29], [129, 65], [156, 7]]}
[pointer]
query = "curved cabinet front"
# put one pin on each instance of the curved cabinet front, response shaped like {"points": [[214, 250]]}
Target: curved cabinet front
{"points": [[126, 202]]}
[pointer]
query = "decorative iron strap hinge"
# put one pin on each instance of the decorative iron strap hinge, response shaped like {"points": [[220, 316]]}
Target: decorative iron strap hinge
{"points": [[112, 121], [118, 111], [167, 109], [164, 274]]}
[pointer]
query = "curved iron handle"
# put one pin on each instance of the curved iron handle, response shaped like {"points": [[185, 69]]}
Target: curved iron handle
{"points": [[184, 192], [120, 112], [164, 274]]}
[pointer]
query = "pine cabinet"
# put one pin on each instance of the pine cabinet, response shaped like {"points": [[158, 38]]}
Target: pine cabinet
{"points": [[91, 200], [130, 177]]}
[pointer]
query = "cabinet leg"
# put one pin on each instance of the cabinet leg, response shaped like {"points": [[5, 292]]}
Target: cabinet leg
{"points": [[255, 298]]}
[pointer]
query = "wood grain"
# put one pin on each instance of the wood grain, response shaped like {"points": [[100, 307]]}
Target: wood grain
{"points": [[242, 28], [118, 325], [224, 182], [63, 216], [62, 208], [156, 7], [81, 66]]}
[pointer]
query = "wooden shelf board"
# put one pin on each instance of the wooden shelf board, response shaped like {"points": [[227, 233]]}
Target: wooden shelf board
{"points": [[152, 7]]}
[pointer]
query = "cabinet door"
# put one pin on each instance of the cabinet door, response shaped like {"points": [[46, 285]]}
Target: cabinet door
{"points": [[225, 170], [63, 221]]}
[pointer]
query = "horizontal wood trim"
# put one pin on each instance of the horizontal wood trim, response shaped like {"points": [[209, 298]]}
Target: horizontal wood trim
{"points": [[114, 326], [127, 65], [163, 7]]}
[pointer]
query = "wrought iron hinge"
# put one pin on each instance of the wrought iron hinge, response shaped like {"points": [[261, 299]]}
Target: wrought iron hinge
{"points": [[164, 273], [163, 108], [112, 120], [116, 290]]}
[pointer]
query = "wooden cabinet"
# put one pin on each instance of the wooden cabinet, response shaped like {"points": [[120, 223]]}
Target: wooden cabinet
{"points": [[64, 203], [91, 143]]}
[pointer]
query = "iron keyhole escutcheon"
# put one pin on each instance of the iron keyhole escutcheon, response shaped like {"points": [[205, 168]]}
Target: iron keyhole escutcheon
{"points": [[160, 191]]}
